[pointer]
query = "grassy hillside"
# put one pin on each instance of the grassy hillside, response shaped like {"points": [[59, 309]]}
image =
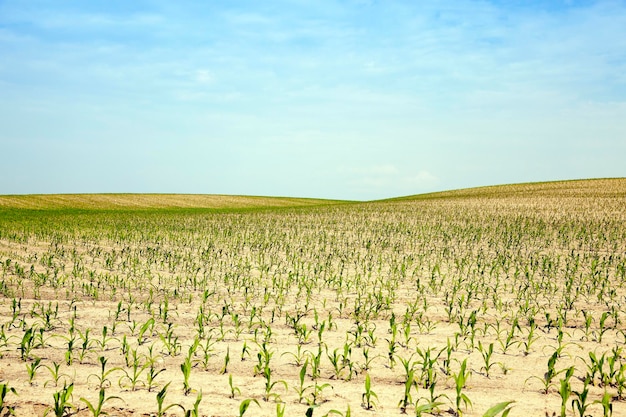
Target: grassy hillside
{"points": [[612, 187], [601, 187], [149, 201]]}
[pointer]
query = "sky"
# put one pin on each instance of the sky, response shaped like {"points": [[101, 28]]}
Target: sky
{"points": [[353, 99]]}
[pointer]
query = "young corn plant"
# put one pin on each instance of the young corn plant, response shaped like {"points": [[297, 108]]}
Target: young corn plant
{"points": [[531, 337], [151, 376], [428, 362], [104, 342], [298, 357], [565, 390], [85, 346], [549, 375], [447, 360], [316, 392], [596, 366], [32, 368], [245, 404], [102, 379], [433, 398], [503, 408], [185, 368], [96, 410], [62, 404], [162, 408], [302, 388], [408, 387], [195, 411], [392, 347], [603, 328], [337, 361], [509, 338], [367, 358], [269, 385], [429, 407], [316, 362], [55, 373], [606, 403], [145, 331], [580, 404], [207, 351], [486, 353], [369, 398], [27, 343], [226, 361], [460, 379], [132, 378], [5, 389], [233, 389]]}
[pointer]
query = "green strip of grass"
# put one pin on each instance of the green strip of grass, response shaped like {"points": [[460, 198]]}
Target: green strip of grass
{"points": [[151, 201]]}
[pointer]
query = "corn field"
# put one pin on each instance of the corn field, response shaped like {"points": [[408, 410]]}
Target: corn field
{"points": [[504, 300]]}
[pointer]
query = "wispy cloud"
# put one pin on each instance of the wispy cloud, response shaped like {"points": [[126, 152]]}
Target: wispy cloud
{"points": [[388, 180]]}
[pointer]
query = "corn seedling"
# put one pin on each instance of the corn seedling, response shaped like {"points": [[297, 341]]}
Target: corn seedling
{"points": [[369, 397], [298, 357], [549, 375], [565, 390], [162, 408], [185, 368], [96, 410], [105, 340], [460, 379], [503, 408], [226, 361], [509, 337], [280, 410], [429, 407], [151, 376], [339, 413], [245, 404], [301, 389], [606, 403], [408, 386], [62, 404], [55, 373], [5, 389], [486, 353], [32, 368], [132, 378], [103, 380], [26, 345], [233, 389], [530, 337], [269, 385], [580, 404], [195, 411], [316, 392]]}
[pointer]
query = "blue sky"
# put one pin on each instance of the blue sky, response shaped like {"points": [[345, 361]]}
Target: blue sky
{"points": [[334, 99]]}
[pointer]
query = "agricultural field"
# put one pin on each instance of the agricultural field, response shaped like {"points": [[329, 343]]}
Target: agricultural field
{"points": [[468, 303]]}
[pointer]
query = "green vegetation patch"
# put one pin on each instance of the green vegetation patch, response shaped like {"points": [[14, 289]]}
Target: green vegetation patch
{"points": [[150, 201]]}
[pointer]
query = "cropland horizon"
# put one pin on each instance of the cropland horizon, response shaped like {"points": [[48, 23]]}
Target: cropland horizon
{"points": [[143, 201], [488, 301]]}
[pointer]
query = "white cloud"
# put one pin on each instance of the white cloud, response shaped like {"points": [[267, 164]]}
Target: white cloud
{"points": [[203, 76], [384, 170], [381, 181], [422, 180]]}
